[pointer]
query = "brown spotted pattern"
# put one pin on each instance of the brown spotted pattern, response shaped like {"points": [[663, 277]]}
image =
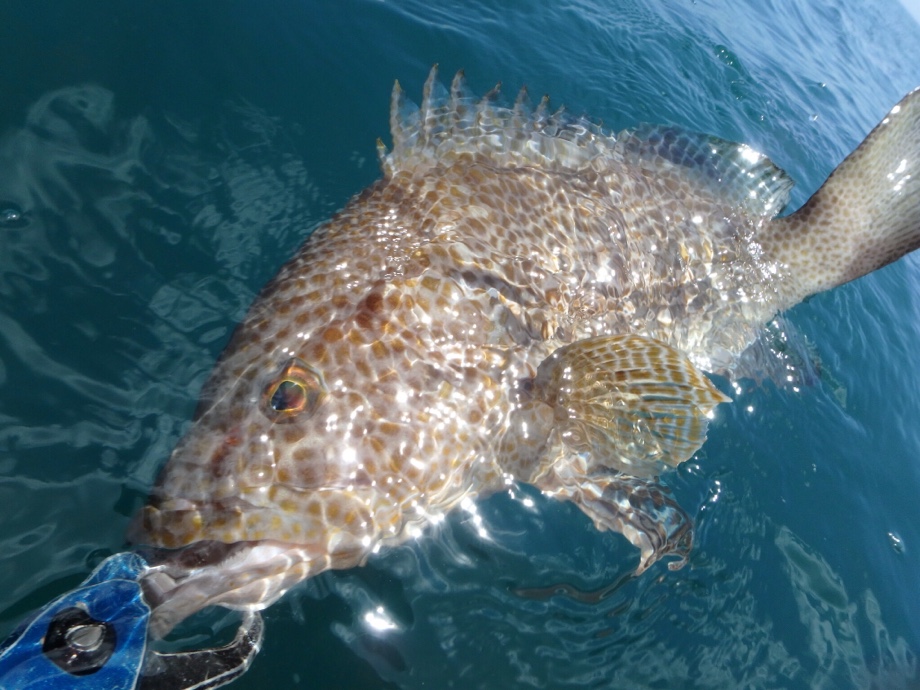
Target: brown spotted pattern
{"points": [[865, 216], [373, 381]]}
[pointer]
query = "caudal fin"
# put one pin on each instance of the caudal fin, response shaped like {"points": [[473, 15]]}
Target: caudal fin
{"points": [[866, 215]]}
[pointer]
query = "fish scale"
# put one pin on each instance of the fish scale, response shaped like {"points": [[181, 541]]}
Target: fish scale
{"points": [[422, 345], [522, 297]]}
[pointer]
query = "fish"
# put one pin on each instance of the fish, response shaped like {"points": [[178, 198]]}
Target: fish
{"points": [[523, 297]]}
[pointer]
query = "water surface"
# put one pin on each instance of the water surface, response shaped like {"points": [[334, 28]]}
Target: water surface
{"points": [[159, 162]]}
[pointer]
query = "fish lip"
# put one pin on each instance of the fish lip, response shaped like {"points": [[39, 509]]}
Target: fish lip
{"points": [[248, 576], [200, 554]]}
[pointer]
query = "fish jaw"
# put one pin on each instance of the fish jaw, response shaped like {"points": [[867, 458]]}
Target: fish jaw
{"points": [[323, 522], [246, 576], [223, 492], [385, 430], [246, 550]]}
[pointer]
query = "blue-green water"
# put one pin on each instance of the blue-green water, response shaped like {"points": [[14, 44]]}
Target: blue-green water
{"points": [[159, 161]]}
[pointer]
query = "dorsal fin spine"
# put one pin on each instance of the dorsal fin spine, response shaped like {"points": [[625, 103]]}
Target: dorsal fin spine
{"points": [[453, 124], [435, 104], [522, 102], [542, 107], [458, 87], [460, 100]]}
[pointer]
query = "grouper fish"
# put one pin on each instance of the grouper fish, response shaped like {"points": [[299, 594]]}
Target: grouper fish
{"points": [[523, 297]]}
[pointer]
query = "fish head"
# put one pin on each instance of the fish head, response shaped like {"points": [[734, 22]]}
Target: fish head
{"points": [[314, 442], [265, 459]]}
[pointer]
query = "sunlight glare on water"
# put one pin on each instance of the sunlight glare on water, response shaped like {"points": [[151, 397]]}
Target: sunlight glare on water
{"points": [[158, 165]]}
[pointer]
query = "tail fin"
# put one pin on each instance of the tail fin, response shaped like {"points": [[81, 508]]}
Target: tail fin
{"points": [[866, 215]]}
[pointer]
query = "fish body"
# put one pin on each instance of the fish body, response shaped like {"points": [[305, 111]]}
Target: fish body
{"points": [[521, 298]]}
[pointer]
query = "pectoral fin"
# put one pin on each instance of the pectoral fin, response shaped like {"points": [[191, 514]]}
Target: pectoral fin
{"points": [[627, 402]]}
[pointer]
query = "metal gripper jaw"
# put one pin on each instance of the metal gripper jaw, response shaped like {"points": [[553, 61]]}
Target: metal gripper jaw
{"points": [[96, 637]]}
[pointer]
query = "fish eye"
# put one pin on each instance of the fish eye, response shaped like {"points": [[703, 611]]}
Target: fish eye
{"points": [[289, 396], [297, 389]]}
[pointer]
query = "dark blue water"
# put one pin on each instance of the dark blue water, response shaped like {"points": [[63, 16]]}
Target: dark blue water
{"points": [[159, 161]]}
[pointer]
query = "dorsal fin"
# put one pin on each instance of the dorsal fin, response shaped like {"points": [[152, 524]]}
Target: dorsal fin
{"points": [[453, 123], [734, 173], [450, 124]]}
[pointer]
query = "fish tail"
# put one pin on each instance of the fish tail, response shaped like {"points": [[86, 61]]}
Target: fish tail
{"points": [[866, 215]]}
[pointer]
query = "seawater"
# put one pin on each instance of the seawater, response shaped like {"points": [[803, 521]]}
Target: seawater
{"points": [[158, 162]]}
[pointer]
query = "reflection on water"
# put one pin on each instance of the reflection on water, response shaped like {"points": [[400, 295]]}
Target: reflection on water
{"points": [[536, 607], [845, 634], [514, 591], [131, 244], [131, 241]]}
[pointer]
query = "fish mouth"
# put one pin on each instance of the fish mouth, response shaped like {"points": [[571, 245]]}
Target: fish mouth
{"points": [[334, 516], [242, 555], [246, 576]]}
